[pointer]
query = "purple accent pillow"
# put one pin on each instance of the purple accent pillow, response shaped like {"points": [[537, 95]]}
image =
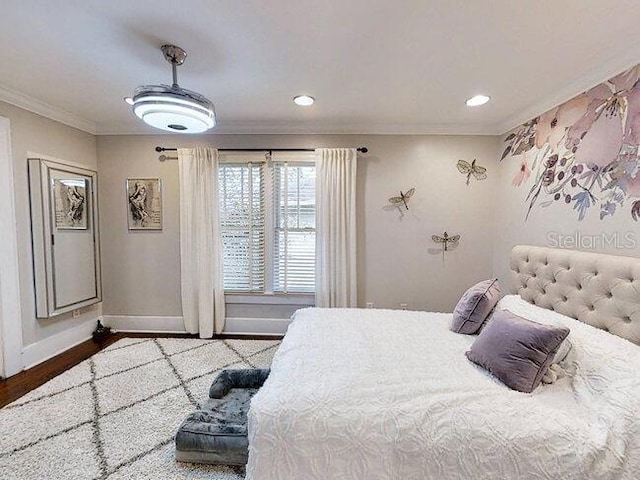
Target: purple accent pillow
{"points": [[475, 306], [516, 350]]}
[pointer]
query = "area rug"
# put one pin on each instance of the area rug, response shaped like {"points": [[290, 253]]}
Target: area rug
{"points": [[114, 415]]}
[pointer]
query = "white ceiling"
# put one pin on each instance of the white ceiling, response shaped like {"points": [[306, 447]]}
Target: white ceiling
{"points": [[396, 66]]}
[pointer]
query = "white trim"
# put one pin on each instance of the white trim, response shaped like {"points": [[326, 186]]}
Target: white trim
{"points": [[46, 110], [257, 326], [293, 128], [10, 306], [152, 324], [270, 299], [295, 157], [63, 163], [43, 350], [588, 80], [242, 157], [144, 324]]}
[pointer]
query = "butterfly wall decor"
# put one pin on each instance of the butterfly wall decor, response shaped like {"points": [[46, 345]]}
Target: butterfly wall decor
{"points": [[403, 198], [468, 169], [445, 240]]}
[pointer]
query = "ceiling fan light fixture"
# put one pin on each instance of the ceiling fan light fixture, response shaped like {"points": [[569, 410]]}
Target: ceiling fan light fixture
{"points": [[173, 108]]}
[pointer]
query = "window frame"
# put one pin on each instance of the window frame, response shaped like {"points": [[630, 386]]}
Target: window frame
{"points": [[231, 161], [276, 229], [268, 161]]}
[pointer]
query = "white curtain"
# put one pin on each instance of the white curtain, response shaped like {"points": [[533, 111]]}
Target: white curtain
{"points": [[336, 227], [200, 242]]}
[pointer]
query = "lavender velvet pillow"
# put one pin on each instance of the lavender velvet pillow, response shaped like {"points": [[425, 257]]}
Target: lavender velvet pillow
{"points": [[475, 306], [516, 350]]}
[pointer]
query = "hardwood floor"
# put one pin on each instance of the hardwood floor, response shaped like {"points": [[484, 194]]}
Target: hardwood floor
{"points": [[22, 383]]}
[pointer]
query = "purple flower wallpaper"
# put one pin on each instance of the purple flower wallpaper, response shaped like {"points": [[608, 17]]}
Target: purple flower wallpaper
{"points": [[583, 153]]}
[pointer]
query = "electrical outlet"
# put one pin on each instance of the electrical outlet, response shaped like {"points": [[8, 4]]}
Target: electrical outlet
{"points": [[369, 304], [403, 306], [76, 313]]}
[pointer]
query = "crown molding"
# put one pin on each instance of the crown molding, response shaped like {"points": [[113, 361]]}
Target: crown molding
{"points": [[590, 79], [297, 128], [26, 102], [354, 129]]}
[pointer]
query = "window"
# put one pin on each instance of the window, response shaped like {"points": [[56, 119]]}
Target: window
{"points": [[242, 222], [295, 228], [267, 216]]}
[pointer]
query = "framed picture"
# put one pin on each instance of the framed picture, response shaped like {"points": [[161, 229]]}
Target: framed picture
{"points": [[144, 203], [70, 203]]}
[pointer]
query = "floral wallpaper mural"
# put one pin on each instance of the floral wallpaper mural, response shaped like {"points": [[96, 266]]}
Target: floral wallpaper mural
{"points": [[584, 153]]}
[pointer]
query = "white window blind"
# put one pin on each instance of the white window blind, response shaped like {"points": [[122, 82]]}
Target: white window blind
{"points": [[267, 216], [294, 192], [242, 221]]}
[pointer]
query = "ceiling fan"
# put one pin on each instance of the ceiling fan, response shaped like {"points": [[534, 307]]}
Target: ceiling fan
{"points": [[173, 108]]}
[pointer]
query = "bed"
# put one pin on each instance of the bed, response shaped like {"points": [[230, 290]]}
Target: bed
{"points": [[385, 394]]}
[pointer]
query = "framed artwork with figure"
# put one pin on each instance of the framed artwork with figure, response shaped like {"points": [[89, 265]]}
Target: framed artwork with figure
{"points": [[70, 203], [144, 203]]}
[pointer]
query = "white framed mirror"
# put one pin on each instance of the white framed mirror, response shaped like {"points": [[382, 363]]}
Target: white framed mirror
{"points": [[65, 234]]}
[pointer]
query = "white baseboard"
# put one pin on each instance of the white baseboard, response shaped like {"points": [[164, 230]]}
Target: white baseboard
{"points": [[144, 324], [49, 347], [152, 324], [43, 350]]}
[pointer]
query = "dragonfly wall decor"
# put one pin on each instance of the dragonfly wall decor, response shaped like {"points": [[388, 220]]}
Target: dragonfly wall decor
{"points": [[403, 198], [445, 240], [468, 169]]}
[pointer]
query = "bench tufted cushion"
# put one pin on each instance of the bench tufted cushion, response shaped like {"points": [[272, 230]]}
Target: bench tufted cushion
{"points": [[217, 434], [240, 378], [600, 290], [204, 438]]}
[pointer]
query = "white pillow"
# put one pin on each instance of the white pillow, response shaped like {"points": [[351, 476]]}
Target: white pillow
{"points": [[515, 304]]}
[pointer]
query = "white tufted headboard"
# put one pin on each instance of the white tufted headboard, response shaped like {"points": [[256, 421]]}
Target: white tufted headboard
{"points": [[597, 289]]}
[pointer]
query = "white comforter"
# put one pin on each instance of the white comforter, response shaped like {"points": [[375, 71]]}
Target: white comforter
{"points": [[382, 394]]}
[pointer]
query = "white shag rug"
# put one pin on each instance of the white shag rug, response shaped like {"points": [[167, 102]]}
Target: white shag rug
{"points": [[114, 415]]}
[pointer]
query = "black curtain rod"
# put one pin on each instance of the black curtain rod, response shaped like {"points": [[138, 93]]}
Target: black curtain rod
{"points": [[163, 149]]}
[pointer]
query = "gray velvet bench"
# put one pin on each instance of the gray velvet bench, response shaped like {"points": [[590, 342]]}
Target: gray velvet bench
{"points": [[217, 434]]}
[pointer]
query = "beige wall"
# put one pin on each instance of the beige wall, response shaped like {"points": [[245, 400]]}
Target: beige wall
{"points": [[397, 261], [36, 134]]}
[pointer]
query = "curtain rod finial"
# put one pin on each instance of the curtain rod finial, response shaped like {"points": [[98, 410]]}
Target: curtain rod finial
{"points": [[159, 149], [363, 149]]}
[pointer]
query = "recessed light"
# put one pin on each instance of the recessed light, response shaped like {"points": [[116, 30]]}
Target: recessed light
{"points": [[304, 100], [477, 100], [129, 100]]}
